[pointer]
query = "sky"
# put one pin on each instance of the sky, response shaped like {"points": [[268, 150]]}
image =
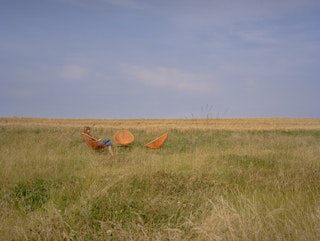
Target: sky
{"points": [[159, 59]]}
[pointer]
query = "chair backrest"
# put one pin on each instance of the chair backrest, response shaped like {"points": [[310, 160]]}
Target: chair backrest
{"points": [[123, 137], [92, 142], [158, 142]]}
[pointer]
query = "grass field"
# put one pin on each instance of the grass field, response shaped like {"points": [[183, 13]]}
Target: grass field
{"points": [[214, 179]]}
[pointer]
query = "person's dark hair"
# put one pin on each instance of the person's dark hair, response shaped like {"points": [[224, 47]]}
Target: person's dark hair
{"points": [[86, 128]]}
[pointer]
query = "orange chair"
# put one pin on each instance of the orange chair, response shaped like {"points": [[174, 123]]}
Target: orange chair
{"points": [[123, 137], [158, 142], [92, 142]]}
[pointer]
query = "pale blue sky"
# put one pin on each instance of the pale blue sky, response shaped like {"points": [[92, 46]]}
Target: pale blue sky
{"points": [[159, 59]]}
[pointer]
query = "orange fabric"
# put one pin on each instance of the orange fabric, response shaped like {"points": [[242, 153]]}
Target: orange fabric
{"points": [[158, 142], [92, 142], [123, 137]]}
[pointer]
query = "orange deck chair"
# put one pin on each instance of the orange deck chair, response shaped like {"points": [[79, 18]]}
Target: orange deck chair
{"points": [[158, 142], [123, 137], [92, 142]]}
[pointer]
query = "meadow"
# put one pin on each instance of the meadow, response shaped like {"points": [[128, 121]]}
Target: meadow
{"points": [[213, 179]]}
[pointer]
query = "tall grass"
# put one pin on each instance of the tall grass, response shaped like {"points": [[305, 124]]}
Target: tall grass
{"points": [[204, 184]]}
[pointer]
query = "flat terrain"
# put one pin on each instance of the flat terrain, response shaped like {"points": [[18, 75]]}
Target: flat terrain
{"points": [[167, 124], [213, 179]]}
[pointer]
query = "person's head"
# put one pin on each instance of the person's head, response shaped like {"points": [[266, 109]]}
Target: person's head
{"points": [[87, 129]]}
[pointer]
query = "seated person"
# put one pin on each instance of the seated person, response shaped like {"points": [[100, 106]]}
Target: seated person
{"points": [[106, 141]]}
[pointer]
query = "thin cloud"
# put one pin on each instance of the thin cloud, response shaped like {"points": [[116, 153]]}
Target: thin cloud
{"points": [[131, 4], [126, 3], [22, 92], [169, 78], [73, 72]]}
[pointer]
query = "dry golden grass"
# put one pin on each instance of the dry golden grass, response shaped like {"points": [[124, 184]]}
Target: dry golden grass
{"points": [[214, 179]]}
